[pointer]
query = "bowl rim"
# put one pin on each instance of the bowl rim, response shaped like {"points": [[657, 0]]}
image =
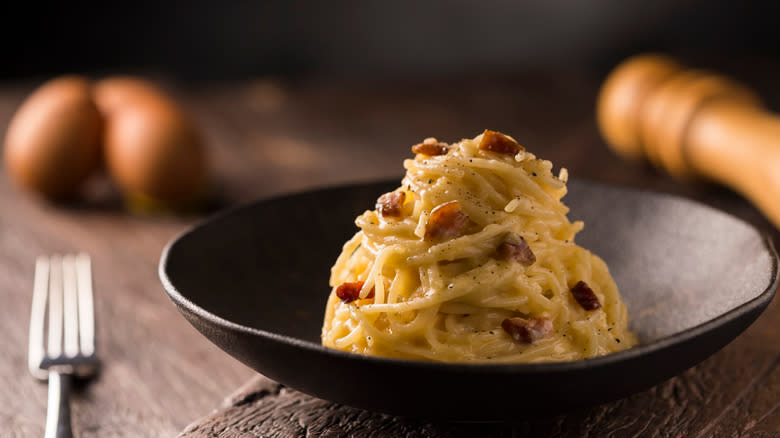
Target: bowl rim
{"points": [[532, 369]]}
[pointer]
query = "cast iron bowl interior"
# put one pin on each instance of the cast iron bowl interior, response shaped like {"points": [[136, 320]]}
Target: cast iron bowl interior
{"points": [[254, 281]]}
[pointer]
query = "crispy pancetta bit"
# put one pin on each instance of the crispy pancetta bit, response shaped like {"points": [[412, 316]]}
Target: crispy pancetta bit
{"points": [[430, 146], [515, 248], [446, 221], [497, 142], [585, 296], [389, 204], [350, 291], [527, 331]]}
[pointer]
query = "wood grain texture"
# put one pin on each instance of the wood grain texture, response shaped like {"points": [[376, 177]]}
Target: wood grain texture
{"points": [[267, 137]]}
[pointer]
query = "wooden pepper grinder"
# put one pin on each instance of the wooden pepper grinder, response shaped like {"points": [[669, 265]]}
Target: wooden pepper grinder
{"points": [[693, 123]]}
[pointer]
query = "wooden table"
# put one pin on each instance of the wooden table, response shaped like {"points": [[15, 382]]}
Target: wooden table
{"points": [[266, 137]]}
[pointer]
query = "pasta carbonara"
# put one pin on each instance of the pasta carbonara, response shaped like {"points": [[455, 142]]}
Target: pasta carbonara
{"points": [[473, 259]]}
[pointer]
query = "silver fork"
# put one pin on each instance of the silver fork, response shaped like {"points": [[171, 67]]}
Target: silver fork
{"points": [[63, 286]]}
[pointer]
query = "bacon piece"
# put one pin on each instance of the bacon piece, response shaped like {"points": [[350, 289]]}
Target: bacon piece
{"points": [[350, 291], [430, 146], [585, 296], [497, 142], [389, 204], [527, 331], [446, 221], [515, 248]]}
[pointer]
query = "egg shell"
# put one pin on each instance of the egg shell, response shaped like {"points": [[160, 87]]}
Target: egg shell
{"points": [[53, 141], [151, 146], [116, 92]]}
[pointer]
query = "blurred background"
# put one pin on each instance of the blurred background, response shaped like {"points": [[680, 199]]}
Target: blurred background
{"points": [[310, 88], [201, 39]]}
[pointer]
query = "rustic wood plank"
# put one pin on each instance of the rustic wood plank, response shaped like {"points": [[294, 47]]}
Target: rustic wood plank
{"points": [[271, 136]]}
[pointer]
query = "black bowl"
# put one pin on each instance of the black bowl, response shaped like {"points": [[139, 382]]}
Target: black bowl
{"points": [[255, 281]]}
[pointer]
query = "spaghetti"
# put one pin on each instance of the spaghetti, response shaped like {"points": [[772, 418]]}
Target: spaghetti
{"points": [[473, 259]]}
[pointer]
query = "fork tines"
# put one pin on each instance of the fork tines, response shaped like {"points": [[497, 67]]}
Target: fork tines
{"points": [[63, 286]]}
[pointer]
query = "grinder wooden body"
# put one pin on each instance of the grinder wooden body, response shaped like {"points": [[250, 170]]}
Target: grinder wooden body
{"points": [[693, 123]]}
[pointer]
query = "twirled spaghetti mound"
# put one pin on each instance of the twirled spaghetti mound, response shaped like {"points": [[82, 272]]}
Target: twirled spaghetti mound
{"points": [[473, 259]]}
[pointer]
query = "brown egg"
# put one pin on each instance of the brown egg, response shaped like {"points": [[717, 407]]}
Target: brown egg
{"points": [[53, 141], [152, 149]]}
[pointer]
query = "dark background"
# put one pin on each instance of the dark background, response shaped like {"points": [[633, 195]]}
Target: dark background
{"points": [[196, 40]]}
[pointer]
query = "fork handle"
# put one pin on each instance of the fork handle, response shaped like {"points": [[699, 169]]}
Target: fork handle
{"points": [[58, 410]]}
